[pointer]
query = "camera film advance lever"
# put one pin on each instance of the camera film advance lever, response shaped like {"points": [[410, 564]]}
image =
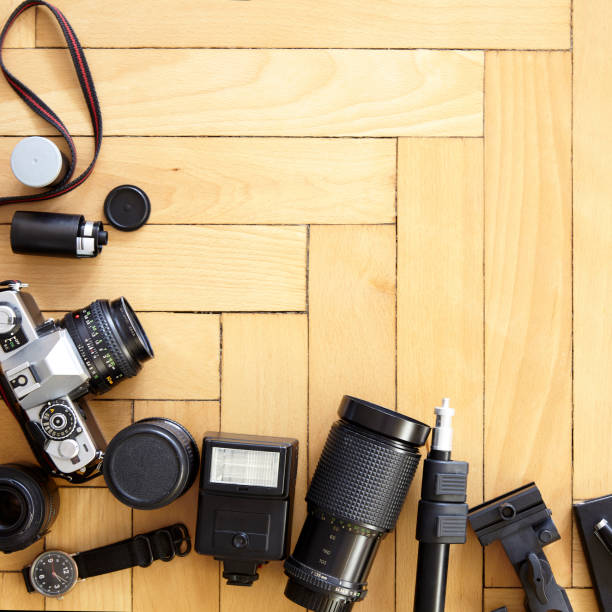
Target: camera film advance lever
{"points": [[54, 573], [523, 524], [594, 521]]}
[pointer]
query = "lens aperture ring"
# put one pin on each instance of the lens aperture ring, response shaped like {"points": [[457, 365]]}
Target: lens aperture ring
{"points": [[324, 582], [123, 363]]}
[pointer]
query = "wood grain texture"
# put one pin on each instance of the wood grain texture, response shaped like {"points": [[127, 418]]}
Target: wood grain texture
{"points": [[265, 392], [528, 290], [255, 92], [83, 511], [439, 304], [352, 347], [592, 249], [175, 268], [23, 31], [582, 600], [532, 24], [234, 180], [192, 581], [14, 596], [580, 569]]}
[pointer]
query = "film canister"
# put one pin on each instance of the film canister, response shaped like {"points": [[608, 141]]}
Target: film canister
{"points": [[38, 162], [42, 233], [151, 463]]}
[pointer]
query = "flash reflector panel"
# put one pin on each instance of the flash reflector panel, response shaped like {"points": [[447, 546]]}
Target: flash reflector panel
{"points": [[253, 468]]}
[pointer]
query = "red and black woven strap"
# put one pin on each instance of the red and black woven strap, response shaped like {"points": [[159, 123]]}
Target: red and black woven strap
{"points": [[41, 109]]}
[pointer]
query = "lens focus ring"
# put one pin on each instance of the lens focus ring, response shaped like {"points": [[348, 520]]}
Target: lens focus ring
{"points": [[362, 479]]}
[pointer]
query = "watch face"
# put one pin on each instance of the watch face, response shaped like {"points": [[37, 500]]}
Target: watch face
{"points": [[53, 573]]}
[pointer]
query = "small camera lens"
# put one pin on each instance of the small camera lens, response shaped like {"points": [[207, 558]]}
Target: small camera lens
{"points": [[28, 506]]}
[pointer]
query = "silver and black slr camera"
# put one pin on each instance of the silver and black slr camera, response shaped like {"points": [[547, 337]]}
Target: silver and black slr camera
{"points": [[47, 367]]}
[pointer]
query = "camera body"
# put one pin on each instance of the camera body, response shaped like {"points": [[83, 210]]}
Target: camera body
{"points": [[47, 367]]}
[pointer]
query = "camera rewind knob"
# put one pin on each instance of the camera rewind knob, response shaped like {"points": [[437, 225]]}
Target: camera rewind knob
{"points": [[68, 449]]}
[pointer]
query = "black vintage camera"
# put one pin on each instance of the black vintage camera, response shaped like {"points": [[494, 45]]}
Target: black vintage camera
{"points": [[246, 502], [47, 367]]}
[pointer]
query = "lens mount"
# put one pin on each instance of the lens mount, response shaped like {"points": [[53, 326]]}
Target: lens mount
{"points": [[110, 341]]}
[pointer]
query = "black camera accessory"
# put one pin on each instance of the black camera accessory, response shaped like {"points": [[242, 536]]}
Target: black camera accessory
{"points": [[594, 518], [127, 208], [29, 502], [53, 573], [442, 517], [42, 110], [523, 524], [38, 162], [354, 499], [43, 233], [151, 463], [246, 502], [47, 367]]}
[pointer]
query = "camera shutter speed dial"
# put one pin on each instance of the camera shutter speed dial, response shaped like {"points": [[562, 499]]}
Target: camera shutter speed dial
{"points": [[8, 320], [57, 420]]}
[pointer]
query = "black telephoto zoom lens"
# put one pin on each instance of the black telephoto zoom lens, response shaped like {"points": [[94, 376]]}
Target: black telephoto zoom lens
{"points": [[29, 502], [354, 499], [110, 340]]}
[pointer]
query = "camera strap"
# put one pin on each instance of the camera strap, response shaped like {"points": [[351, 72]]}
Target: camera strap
{"points": [[43, 110]]}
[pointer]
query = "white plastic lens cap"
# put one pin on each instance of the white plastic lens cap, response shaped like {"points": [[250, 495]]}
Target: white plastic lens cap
{"points": [[36, 161]]}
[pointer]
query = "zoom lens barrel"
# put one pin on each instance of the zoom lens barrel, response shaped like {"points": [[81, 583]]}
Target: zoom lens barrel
{"points": [[29, 502], [354, 500], [110, 340]]}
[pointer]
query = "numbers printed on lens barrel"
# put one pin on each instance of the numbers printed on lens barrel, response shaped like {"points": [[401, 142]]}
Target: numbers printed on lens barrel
{"points": [[53, 573], [57, 419]]}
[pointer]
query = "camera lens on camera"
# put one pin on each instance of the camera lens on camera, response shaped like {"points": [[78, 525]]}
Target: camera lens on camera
{"points": [[151, 463], [354, 499], [110, 340], [28, 506]]}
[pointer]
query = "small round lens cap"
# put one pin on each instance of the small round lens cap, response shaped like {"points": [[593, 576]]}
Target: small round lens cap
{"points": [[127, 208]]}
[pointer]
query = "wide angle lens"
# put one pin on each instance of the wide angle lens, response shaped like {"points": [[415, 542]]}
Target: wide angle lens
{"points": [[354, 499], [29, 502], [110, 340]]}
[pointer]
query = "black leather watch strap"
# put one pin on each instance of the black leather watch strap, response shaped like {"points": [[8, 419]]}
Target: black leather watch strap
{"points": [[141, 550]]}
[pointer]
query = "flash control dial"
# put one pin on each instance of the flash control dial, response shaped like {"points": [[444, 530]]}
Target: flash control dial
{"points": [[8, 320], [58, 420]]}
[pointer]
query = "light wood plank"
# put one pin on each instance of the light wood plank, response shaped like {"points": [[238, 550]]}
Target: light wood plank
{"points": [[592, 249], [186, 362], [582, 600], [580, 569], [440, 323], [23, 31], [234, 180], [265, 390], [175, 268], [193, 581], [78, 527], [14, 596], [452, 24], [352, 347], [528, 289], [256, 92]]}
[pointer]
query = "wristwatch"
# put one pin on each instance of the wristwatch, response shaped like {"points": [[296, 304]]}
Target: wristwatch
{"points": [[53, 573]]}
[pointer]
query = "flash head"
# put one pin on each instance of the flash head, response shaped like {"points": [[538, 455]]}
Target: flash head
{"points": [[246, 502]]}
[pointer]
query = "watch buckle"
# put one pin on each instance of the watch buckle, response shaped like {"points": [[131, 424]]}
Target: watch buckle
{"points": [[149, 550], [171, 546], [180, 536]]}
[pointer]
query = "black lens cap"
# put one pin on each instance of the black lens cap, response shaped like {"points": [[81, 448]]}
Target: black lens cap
{"points": [[151, 463], [127, 208], [383, 421]]}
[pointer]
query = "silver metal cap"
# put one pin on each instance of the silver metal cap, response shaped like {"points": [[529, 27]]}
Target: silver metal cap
{"points": [[36, 161]]}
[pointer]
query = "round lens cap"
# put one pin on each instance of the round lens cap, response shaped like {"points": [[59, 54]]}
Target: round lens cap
{"points": [[383, 421], [127, 208]]}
